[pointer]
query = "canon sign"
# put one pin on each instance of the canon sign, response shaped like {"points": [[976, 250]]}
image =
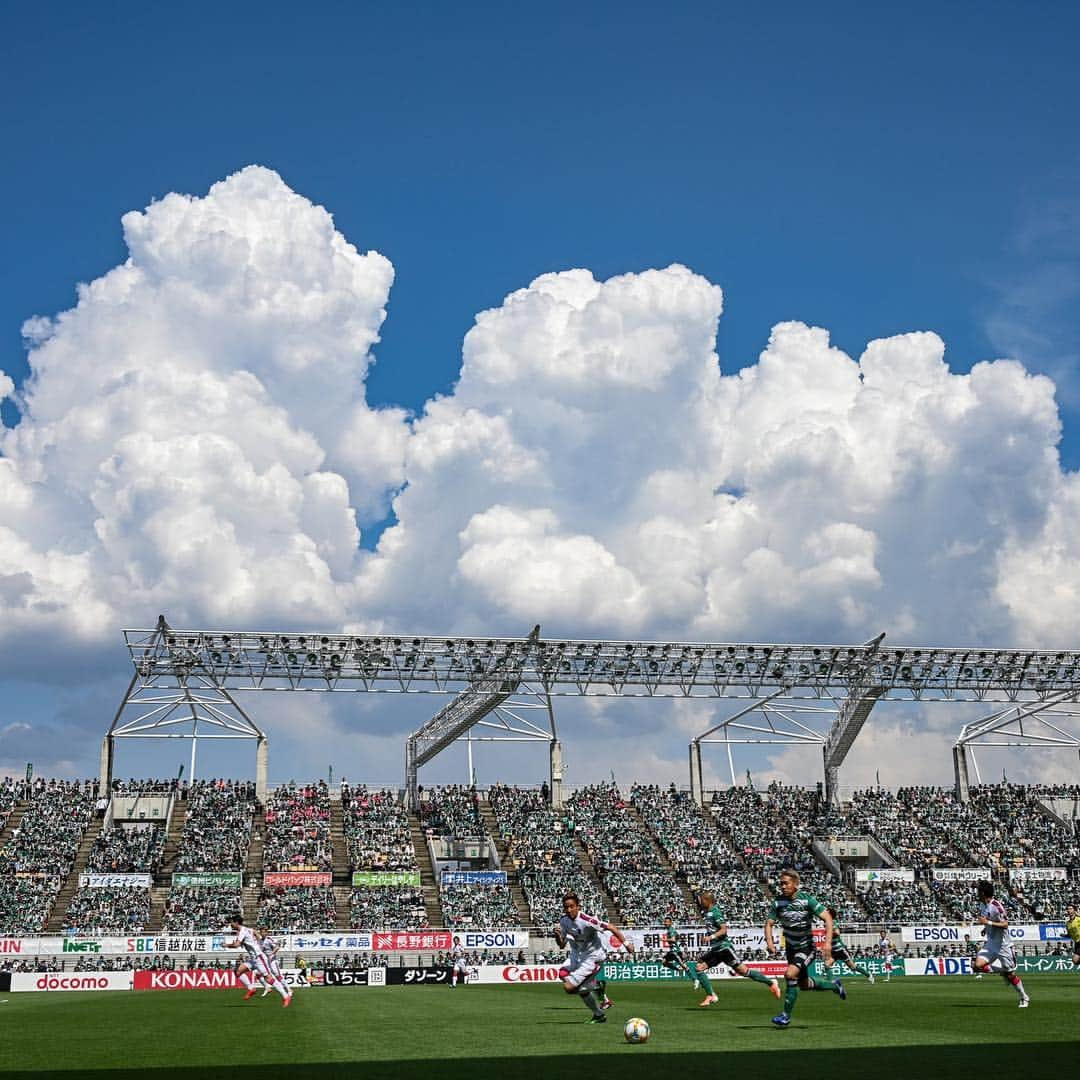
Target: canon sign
{"points": [[522, 974]]}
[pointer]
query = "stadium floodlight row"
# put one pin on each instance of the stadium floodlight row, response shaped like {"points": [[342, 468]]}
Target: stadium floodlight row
{"points": [[190, 678]]}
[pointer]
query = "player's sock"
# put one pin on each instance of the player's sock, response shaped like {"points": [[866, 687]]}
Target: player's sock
{"points": [[815, 985], [591, 1002], [246, 980], [706, 985], [758, 977], [791, 995], [859, 971], [1015, 982]]}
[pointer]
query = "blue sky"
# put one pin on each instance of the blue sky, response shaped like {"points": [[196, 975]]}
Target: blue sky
{"points": [[865, 170]]}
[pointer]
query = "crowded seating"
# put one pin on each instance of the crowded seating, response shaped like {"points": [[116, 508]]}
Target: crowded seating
{"points": [[477, 906], [297, 908], [128, 849], [108, 911], [217, 830], [40, 853], [540, 847], [451, 811], [298, 829], [395, 907], [377, 833], [200, 909], [624, 857]]}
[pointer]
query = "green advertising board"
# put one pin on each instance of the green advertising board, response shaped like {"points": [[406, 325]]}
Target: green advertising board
{"points": [[382, 879], [624, 971], [219, 880]]}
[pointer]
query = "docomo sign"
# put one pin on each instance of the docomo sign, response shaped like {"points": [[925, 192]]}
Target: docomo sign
{"points": [[22, 982]]}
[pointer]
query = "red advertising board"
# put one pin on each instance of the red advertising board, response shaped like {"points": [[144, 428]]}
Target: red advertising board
{"points": [[409, 941], [306, 878], [207, 979]]}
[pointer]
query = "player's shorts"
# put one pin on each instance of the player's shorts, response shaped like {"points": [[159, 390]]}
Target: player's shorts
{"points": [[843, 956], [584, 968], [461, 966], [800, 956], [720, 954], [1003, 953], [673, 959]]}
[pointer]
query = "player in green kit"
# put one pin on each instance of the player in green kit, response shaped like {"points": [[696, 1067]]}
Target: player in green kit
{"points": [[674, 958], [721, 951], [840, 950], [795, 911]]}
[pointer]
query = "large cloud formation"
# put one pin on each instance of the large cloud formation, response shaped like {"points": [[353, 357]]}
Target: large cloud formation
{"points": [[195, 438]]}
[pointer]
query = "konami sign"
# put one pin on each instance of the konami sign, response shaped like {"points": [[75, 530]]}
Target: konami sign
{"points": [[207, 979]]}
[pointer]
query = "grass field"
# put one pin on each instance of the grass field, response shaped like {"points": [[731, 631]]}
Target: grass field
{"points": [[910, 1027]]}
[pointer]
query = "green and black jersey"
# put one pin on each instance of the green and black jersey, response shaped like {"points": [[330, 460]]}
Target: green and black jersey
{"points": [[674, 942], [714, 919], [796, 918]]}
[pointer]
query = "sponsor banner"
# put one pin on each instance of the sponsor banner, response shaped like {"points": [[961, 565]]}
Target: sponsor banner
{"points": [[956, 934], [210, 979], [493, 939], [961, 873], [115, 881], [1038, 873], [348, 977], [637, 971], [13, 946], [76, 980], [409, 941], [868, 963], [962, 965], [381, 879], [307, 879], [326, 941], [695, 940], [885, 874], [473, 877], [1054, 931], [416, 976], [218, 880]]}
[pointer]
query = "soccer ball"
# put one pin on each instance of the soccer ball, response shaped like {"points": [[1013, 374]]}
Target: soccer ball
{"points": [[636, 1030]]}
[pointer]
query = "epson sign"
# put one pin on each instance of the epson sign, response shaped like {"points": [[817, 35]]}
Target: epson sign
{"points": [[494, 939], [936, 933]]}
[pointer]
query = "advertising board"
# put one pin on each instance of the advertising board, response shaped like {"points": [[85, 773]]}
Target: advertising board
{"points": [[60, 981]]}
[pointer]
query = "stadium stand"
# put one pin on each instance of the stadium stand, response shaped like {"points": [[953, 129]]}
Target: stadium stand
{"points": [[378, 838], [541, 849], [39, 856], [625, 858]]}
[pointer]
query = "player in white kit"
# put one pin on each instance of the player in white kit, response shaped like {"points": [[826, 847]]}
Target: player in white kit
{"points": [[588, 950], [459, 966], [254, 960], [270, 948], [997, 948], [885, 951]]}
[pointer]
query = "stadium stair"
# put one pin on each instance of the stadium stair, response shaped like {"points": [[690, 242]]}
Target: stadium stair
{"points": [[253, 868], [610, 911], [661, 856], [71, 884], [517, 893], [341, 868], [175, 831], [432, 905], [13, 821]]}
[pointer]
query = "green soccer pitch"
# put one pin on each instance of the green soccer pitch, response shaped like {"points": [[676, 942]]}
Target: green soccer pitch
{"points": [[907, 1028]]}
